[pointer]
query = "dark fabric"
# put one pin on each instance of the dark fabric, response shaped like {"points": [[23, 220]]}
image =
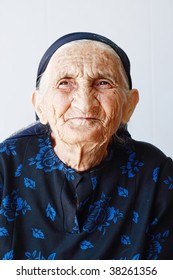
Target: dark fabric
{"points": [[81, 36], [121, 209]]}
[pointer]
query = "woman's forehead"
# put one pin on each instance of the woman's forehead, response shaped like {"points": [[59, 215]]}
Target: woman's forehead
{"points": [[86, 58], [80, 38], [84, 54]]}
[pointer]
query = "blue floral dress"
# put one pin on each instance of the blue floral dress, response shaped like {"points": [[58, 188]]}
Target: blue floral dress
{"points": [[121, 209]]}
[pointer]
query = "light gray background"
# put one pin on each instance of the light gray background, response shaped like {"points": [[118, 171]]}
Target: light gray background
{"points": [[144, 28]]}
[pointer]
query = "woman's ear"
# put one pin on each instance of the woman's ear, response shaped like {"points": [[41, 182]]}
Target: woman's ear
{"points": [[37, 102], [130, 105]]}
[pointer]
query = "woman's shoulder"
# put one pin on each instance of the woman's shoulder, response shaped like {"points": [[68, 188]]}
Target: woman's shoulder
{"points": [[34, 129], [142, 147], [148, 151], [18, 141]]}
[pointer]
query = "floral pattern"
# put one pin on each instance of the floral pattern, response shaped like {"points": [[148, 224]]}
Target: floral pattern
{"points": [[13, 206], [48, 161], [155, 246], [123, 192], [135, 217], [133, 166], [37, 233], [155, 174], [100, 215], [29, 183], [4, 232], [85, 245], [38, 256], [8, 256], [169, 182], [135, 257], [46, 158], [50, 212], [18, 170], [125, 239], [8, 147]]}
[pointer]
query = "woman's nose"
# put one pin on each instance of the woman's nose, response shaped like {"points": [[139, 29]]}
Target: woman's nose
{"points": [[85, 99]]}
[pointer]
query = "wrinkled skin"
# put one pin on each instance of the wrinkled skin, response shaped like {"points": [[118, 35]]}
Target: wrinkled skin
{"points": [[84, 97]]}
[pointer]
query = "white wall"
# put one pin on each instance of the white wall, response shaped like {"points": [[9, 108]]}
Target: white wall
{"points": [[143, 28]]}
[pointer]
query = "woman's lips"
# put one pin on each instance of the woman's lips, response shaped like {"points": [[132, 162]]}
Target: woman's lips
{"points": [[83, 120]]}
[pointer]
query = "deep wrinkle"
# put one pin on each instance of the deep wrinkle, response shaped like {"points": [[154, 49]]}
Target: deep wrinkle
{"points": [[99, 75]]}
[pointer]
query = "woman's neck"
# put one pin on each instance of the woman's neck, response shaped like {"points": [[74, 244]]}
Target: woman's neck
{"points": [[81, 157]]}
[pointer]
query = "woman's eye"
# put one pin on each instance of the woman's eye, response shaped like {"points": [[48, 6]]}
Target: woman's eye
{"points": [[103, 84], [63, 83]]}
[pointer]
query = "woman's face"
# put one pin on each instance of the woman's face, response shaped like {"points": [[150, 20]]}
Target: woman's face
{"points": [[84, 93]]}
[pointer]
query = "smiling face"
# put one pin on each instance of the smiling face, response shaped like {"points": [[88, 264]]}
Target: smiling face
{"points": [[84, 93]]}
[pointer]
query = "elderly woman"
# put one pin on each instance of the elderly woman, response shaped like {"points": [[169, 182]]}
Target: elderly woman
{"points": [[75, 185]]}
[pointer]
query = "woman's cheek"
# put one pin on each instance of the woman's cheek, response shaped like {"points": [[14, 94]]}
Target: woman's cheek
{"points": [[59, 105], [113, 109], [111, 106]]}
